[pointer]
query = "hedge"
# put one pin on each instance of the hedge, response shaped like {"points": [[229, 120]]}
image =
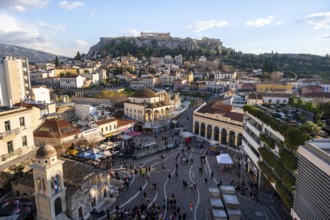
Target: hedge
{"points": [[285, 195], [267, 119], [289, 159], [267, 172], [286, 177], [267, 140]]}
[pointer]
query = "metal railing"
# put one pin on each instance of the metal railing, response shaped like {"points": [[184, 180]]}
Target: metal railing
{"points": [[10, 132]]}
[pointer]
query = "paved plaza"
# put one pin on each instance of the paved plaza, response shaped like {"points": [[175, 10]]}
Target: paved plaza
{"points": [[172, 199], [169, 185]]}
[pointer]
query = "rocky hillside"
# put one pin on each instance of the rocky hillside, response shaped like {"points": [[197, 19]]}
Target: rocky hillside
{"points": [[150, 45], [32, 55]]}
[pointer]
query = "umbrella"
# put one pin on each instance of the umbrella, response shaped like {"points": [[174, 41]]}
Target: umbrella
{"points": [[93, 151], [95, 156], [83, 154]]}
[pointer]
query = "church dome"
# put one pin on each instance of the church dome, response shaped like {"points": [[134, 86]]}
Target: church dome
{"points": [[46, 151], [144, 93]]}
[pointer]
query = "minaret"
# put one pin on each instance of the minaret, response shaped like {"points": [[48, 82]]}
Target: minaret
{"points": [[48, 184]]}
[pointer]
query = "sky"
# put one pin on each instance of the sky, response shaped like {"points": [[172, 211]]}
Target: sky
{"points": [[250, 26]]}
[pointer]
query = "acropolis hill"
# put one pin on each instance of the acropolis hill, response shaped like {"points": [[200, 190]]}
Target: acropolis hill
{"points": [[160, 40]]}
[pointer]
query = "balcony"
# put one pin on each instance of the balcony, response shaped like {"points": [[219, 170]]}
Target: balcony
{"points": [[9, 133], [255, 143], [253, 128], [12, 154]]}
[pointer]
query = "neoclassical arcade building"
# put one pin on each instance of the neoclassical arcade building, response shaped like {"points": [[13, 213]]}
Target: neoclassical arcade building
{"points": [[147, 105], [218, 121]]}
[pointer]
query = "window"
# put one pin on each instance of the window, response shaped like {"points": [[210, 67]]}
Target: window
{"points": [[102, 130], [24, 140], [110, 128], [21, 121], [10, 146], [7, 125]]}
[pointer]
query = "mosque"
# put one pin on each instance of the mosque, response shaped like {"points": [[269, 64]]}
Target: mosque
{"points": [[146, 105]]}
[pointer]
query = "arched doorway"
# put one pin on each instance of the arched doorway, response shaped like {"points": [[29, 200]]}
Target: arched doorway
{"points": [[58, 206], [203, 130], [209, 132], [196, 128], [104, 193], [156, 115], [147, 115], [239, 139], [216, 134], [223, 136], [232, 139]]}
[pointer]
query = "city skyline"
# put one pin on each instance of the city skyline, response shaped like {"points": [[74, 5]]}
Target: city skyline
{"points": [[65, 27]]}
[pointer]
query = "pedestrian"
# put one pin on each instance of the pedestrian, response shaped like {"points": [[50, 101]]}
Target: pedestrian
{"points": [[232, 182], [212, 174], [169, 176], [184, 216], [191, 207], [141, 189], [205, 180], [176, 174], [145, 194]]}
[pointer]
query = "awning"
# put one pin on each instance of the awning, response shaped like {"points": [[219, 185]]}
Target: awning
{"points": [[134, 133], [94, 137], [125, 137], [224, 159], [107, 153], [186, 134], [83, 154], [93, 151]]}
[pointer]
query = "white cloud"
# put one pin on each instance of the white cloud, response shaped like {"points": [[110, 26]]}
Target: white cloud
{"points": [[38, 35], [260, 22], [318, 20], [322, 36], [131, 33], [80, 45], [200, 26], [279, 23], [23, 5], [71, 5]]}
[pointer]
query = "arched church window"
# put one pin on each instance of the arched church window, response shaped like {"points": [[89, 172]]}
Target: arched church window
{"points": [[39, 183], [43, 184]]}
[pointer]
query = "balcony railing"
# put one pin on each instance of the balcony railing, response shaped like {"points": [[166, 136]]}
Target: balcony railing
{"points": [[8, 133], [12, 154]]}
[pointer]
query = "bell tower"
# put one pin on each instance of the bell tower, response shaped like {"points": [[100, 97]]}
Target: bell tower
{"points": [[48, 184]]}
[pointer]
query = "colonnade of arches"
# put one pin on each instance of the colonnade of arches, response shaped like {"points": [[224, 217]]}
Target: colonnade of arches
{"points": [[221, 135], [151, 114]]}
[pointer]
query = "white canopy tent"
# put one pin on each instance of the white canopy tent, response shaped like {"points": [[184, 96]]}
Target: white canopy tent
{"points": [[224, 159]]}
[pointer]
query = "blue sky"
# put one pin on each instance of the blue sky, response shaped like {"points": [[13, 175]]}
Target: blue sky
{"points": [[256, 26]]}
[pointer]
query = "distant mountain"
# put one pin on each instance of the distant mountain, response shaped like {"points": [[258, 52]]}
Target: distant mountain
{"points": [[32, 55]]}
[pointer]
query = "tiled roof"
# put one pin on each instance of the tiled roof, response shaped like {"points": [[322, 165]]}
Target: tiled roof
{"points": [[56, 128], [76, 171], [144, 93], [316, 95], [217, 107], [105, 121], [122, 122], [286, 95], [255, 96]]}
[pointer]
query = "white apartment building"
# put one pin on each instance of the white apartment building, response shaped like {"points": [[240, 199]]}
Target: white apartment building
{"points": [[41, 95], [224, 75], [276, 98], [72, 82], [14, 80], [16, 133], [168, 79], [38, 77]]}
